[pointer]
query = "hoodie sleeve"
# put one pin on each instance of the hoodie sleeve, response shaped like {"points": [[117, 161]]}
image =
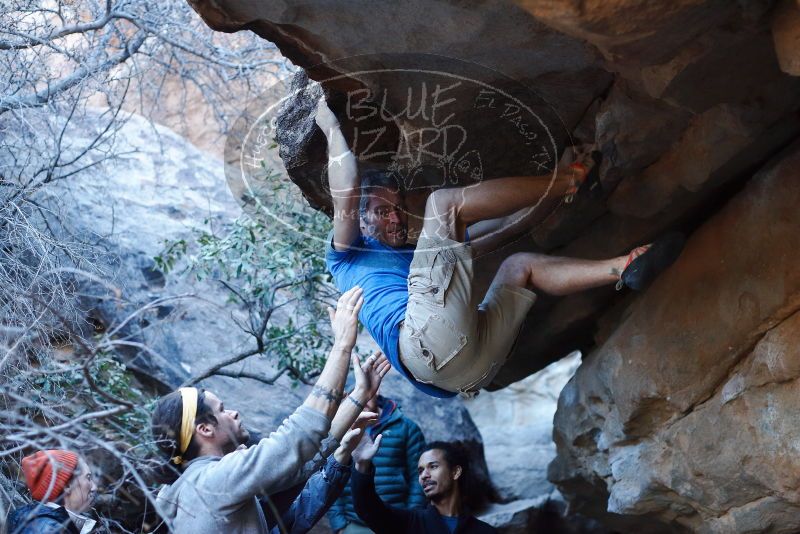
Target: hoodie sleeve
{"points": [[283, 459], [317, 496]]}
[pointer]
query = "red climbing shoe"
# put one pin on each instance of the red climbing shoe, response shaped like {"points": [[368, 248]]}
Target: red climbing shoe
{"points": [[584, 179], [647, 262]]}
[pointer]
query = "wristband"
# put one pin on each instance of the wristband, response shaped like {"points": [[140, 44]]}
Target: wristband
{"points": [[338, 159], [357, 403]]}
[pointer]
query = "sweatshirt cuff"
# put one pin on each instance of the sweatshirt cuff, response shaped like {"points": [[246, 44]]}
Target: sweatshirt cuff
{"points": [[316, 423], [320, 423], [328, 446], [334, 472], [318, 419]]}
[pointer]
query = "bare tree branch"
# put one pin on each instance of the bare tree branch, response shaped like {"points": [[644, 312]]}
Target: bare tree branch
{"points": [[30, 41], [213, 370], [252, 376], [70, 74], [40, 98]]}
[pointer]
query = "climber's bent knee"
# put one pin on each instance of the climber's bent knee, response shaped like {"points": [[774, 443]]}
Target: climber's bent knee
{"points": [[516, 269], [442, 211]]}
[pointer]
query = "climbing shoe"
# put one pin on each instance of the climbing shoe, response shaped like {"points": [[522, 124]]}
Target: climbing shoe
{"points": [[586, 180], [647, 262]]}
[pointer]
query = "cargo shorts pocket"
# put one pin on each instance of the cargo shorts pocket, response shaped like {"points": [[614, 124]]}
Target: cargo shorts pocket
{"points": [[431, 278], [437, 341]]}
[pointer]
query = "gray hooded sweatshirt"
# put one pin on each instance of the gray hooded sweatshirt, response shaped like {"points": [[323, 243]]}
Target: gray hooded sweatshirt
{"points": [[218, 494]]}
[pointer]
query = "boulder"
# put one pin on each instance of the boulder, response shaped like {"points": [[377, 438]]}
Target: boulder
{"points": [[515, 517], [684, 415], [786, 34], [516, 423], [160, 191], [684, 100]]}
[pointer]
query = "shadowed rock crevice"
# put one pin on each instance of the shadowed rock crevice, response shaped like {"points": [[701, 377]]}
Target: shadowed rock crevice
{"points": [[650, 414]]}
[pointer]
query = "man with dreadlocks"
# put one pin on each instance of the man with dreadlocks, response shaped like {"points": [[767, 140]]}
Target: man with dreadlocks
{"points": [[218, 481]]}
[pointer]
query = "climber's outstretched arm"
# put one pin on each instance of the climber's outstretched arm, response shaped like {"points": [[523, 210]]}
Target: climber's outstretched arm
{"points": [[343, 179]]}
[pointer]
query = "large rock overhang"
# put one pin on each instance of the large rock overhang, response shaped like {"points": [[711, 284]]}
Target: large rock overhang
{"points": [[685, 100]]}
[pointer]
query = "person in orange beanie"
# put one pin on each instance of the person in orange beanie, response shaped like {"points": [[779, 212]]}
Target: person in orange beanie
{"points": [[62, 488]]}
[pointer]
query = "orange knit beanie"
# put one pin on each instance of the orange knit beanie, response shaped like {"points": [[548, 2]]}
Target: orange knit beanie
{"points": [[40, 468]]}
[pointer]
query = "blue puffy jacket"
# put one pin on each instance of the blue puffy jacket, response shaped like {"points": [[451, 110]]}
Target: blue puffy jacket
{"points": [[37, 518], [395, 466]]}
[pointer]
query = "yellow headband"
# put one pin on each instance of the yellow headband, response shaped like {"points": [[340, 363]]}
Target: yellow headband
{"points": [[189, 397]]}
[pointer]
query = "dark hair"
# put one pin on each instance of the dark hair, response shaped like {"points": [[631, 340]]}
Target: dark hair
{"points": [[165, 424], [456, 454], [373, 181]]}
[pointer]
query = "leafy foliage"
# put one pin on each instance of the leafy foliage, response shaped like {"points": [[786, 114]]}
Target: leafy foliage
{"points": [[273, 266], [66, 386], [71, 72]]}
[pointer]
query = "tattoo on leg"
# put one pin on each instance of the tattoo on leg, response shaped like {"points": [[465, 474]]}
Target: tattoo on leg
{"points": [[330, 395], [616, 272]]}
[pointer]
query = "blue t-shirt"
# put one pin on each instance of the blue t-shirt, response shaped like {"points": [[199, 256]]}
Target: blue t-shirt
{"points": [[451, 522], [382, 272]]}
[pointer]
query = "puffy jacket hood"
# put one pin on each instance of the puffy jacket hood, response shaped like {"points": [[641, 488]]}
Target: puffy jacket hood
{"points": [[390, 412]]}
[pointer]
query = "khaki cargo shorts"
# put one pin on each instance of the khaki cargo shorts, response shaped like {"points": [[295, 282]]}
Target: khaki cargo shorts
{"points": [[449, 338]]}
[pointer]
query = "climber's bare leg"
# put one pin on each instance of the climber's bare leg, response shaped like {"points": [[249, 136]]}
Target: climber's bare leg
{"points": [[448, 212], [556, 275], [490, 235], [512, 204]]}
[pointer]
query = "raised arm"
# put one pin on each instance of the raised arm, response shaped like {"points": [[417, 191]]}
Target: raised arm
{"points": [[378, 516], [368, 380], [342, 178], [328, 391], [283, 459]]}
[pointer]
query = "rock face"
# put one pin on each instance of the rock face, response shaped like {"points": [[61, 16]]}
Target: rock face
{"points": [[786, 32], [684, 100], [520, 418], [161, 191], [516, 423], [666, 425], [686, 414]]}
